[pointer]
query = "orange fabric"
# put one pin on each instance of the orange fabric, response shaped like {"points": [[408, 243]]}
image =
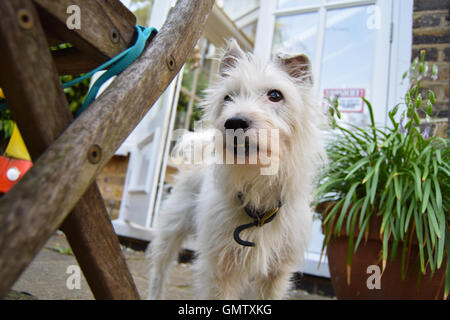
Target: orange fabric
{"points": [[20, 167]]}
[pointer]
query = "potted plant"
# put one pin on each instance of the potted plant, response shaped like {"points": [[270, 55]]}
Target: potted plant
{"points": [[384, 202]]}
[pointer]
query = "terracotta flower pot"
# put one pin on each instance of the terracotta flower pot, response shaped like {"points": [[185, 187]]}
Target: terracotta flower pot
{"points": [[391, 286]]}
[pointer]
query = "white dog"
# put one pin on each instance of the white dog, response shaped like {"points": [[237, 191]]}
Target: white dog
{"points": [[252, 227]]}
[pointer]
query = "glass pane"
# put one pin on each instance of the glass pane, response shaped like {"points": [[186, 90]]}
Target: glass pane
{"points": [[250, 30], [347, 61], [289, 4], [142, 9], [296, 34]]}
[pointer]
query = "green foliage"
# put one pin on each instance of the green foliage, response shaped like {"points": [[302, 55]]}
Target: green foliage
{"points": [[62, 250], [398, 173], [6, 123], [187, 83], [76, 94], [142, 10]]}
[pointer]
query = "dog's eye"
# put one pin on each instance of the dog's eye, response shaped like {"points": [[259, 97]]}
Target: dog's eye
{"points": [[227, 98], [275, 95]]}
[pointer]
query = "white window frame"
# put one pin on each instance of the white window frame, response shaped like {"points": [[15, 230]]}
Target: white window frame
{"points": [[392, 56], [392, 44]]}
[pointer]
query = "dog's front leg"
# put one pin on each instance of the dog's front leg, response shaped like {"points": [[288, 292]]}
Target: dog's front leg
{"points": [[273, 286], [162, 253], [214, 282]]}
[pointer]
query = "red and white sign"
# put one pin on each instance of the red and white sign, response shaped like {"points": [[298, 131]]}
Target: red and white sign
{"points": [[349, 99]]}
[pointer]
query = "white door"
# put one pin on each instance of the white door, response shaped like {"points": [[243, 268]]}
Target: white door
{"points": [[148, 147], [350, 45]]}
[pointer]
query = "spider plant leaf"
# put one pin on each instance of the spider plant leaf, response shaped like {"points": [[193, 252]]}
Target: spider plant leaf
{"points": [[425, 173], [441, 246], [417, 180], [356, 166], [369, 106], [327, 185], [385, 250], [402, 219], [435, 167], [426, 194], [351, 239], [409, 214], [440, 213], [371, 148], [433, 222], [445, 171], [447, 272], [327, 237], [428, 246], [353, 214], [438, 156], [345, 206], [419, 234], [391, 177], [362, 230], [399, 208], [363, 211], [394, 249], [394, 227], [333, 211], [373, 187], [369, 174], [387, 211], [437, 190], [397, 188]]}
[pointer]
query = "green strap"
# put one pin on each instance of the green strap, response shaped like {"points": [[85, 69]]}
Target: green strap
{"points": [[118, 64]]}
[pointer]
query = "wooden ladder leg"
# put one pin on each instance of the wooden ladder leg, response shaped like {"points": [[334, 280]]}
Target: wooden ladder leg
{"points": [[37, 102], [95, 244]]}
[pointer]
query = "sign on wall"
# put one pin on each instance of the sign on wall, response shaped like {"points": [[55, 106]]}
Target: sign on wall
{"points": [[349, 99]]}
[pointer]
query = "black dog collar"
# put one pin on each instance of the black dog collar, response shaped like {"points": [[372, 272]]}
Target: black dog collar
{"points": [[260, 219]]}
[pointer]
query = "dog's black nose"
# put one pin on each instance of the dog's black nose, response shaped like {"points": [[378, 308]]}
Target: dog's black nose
{"points": [[237, 123]]}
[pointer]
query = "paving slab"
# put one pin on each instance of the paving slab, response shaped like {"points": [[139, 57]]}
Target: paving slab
{"points": [[51, 276]]}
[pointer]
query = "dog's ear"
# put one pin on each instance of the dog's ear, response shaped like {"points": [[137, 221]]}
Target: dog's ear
{"points": [[297, 66], [230, 57]]}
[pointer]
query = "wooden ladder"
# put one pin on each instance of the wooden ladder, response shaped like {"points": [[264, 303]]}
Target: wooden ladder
{"points": [[60, 190]]}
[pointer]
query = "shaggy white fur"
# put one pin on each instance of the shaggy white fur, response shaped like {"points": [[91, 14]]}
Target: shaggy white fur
{"points": [[204, 198]]}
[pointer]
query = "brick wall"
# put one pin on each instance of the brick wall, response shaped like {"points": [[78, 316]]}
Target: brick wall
{"points": [[431, 32], [111, 182]]}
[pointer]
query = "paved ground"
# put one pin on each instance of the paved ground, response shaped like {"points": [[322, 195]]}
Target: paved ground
{"points": [[46, 277]]}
